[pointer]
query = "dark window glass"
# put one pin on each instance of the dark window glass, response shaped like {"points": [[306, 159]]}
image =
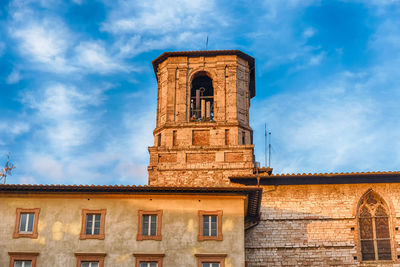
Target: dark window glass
{"points": [[374, 229], [149, 225], [210, 225]]}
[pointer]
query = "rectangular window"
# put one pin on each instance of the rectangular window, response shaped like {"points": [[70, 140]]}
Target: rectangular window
{"points": [[148, 260], [210, 225], [226, 137], [159, 140], [148, 264], [90, 259], [174, 136], [149, 225], [23, 259], [93, 224], [26, 224], [90, 264], [22, 263], [210, 264], [211, 260]]}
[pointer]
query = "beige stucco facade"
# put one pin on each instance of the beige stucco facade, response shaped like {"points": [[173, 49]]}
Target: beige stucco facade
{"points": [[60, 221]]}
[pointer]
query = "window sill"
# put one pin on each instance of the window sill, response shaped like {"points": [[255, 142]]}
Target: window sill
{"points": [[83, 237], [148, 237]]}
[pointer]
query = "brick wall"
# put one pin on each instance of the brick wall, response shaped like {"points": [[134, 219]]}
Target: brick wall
{"points": [[315, 225]]}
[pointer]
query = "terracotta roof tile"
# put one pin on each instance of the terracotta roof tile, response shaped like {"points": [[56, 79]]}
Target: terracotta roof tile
{"points": [[320, 178]]}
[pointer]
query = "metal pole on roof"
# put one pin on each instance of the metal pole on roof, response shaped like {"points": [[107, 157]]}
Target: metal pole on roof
{"points": [[265, 145]]}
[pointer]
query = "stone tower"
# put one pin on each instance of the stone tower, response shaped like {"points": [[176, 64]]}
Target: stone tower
{"points": [[202, 135]]}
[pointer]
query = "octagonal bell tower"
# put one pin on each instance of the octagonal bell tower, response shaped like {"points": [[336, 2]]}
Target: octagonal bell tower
{"points": [[202, 135]]}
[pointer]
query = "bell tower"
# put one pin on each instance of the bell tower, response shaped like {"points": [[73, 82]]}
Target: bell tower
{"points": [[202, 135]]}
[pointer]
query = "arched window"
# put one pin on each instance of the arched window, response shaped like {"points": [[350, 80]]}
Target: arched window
{"points": [[373, 222], [202, 98]]}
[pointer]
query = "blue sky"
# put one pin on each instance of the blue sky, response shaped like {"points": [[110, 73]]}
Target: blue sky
{"points": [[77, 89]]}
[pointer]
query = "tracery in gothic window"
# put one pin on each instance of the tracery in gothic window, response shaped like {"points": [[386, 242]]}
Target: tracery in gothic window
{"points": [[373, 222]]}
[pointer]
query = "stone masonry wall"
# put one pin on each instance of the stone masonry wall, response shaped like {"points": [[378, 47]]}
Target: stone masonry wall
{"points": [[316, 225], [202, 153]]}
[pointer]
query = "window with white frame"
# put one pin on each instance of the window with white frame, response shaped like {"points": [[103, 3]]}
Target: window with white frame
{"points": [[93, 225], [148, 264], [90, 264], [22, 263], [210, 223], [26, 222], [210, 264], [149, 225]]}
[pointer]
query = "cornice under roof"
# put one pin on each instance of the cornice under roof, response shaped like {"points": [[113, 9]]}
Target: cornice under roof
{"points": [[211, 53], [253, 194]]}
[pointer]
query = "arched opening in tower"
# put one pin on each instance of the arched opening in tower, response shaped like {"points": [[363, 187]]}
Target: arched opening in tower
{"points": [[202, 98]]}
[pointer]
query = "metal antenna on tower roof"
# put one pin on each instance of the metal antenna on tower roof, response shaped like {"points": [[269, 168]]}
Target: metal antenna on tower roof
{"points": [[269, 149], [265, 144], [207, 43]]}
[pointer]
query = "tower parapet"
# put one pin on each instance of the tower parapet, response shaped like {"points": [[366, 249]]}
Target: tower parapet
{"points": [[202, 134]]}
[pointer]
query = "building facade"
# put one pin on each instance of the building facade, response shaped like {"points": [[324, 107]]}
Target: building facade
{"points": [[208, 204], [96, 226], [306, 219]]}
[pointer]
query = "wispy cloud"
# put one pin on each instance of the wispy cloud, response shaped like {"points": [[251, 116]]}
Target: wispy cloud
{"points": [[93, 57], [152, 25], [337, 127], [11, 128], [2, 48], [157, 18], [13, 77], [45, 43], [60, 112]]}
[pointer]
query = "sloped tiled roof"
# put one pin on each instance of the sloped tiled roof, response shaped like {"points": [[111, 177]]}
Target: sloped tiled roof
{"points": [[253, 194], [321, 178]]}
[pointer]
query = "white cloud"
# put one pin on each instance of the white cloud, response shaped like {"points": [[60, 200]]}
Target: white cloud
{"points": [[156, 17], [45, 43], [11, 129], [61, 113], [275, 38], [317, 59], [150, 25], [93, 57], [309, 32], [2, 48], [344, 125], [14, 77]]}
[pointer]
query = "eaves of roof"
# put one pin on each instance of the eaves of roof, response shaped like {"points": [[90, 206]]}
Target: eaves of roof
{"points": [[319, 178], [253, 194]]}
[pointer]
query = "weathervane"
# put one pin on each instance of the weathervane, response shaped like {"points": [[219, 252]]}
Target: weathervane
{"points": [[8, 167]]}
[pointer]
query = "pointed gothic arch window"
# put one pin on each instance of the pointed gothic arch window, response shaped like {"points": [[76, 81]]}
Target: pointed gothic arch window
{"points": [[374, 228]]}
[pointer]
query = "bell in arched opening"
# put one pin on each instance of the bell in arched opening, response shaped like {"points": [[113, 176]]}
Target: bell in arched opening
{"points": [[202, 98]]}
